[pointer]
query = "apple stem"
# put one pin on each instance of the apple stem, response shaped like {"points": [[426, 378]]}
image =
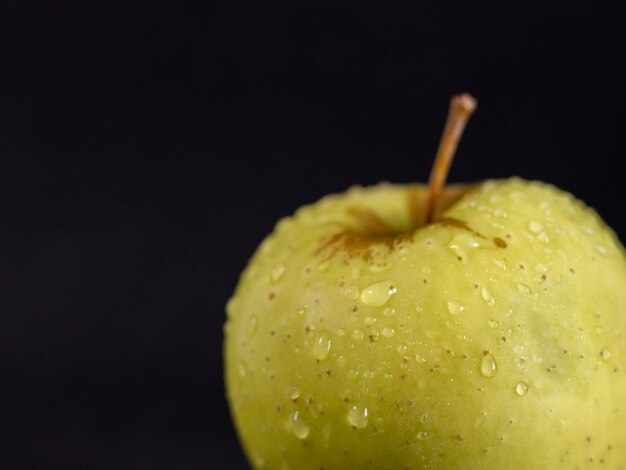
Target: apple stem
{"points": [[461, 108]]}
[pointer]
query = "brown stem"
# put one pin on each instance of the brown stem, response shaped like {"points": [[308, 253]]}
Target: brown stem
{"points": [[461, 108]]}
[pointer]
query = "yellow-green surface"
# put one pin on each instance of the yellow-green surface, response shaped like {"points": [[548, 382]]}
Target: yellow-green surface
{"points": [[498, 345]]}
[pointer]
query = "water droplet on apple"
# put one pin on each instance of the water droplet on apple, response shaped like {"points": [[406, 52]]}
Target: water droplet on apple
{"points": [[422, 435], [455, 308], [242, 368], [521, 389], [323, 266], [488, 366], [292, 393], [605, 354], [458, 252], [277, 273], [351, 292], [370, 320], [258, 459], [599, 330], [535, 227], [493, 323], [424, 418], [353, 374], [541, 268], [322, 345], [500, 264], [388, 332], [377, 295], [523, 288], [297, 426], [487, 297], [253, 324], [543, 237], [389, 311], [341, 332], [358, 417], [500, 213], [380, 267]]}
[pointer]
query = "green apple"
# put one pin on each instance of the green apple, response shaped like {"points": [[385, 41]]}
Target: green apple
{"points": [[492, 336]]}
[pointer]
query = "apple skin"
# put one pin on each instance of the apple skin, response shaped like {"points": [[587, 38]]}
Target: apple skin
{"points": [[495, 340]]}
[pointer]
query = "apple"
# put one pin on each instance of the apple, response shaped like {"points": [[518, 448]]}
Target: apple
{"points": [[410, 326]]}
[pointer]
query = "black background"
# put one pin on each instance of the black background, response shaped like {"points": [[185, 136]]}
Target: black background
{"points": [[147, 147]]}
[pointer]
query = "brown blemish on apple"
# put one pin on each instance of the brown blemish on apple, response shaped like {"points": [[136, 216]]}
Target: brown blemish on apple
{"points": [[359, 245], [373, 230], [499, 242], [370, 221], [451, 194], [456, 223]]}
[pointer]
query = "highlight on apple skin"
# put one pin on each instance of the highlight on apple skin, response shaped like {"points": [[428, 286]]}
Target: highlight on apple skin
{"points": [[491, 336]]}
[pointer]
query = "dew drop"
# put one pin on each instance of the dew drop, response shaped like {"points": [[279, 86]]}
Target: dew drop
{"points": [[322, 345], [523, 288], [424, 418], [541, 268], [353, 374], [292, 393], [500, 264], [401, 348], [389, 311], [358, 417], [458, 252], [377, 295], [242, 368], [297, 426], [277, 273], [488, 366], [492, 323], [380, 267], [521, 389], [388, 332], [370, 320], [543, 237], [422, 435], [358, 334], [535, 227], [487, 297], [351, 292], [500, 213], [599, 330], [323, 266], [455, 308], [253, 324], [259, 461], [605, 354]]}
